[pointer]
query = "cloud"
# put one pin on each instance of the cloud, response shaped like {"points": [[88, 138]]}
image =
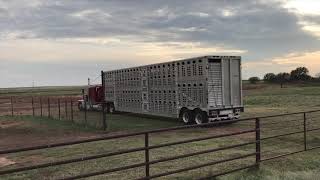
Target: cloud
{"points": [[147, 31], [112, 50], [92, 14], [309, 7], [199, 14], [311, 24], [263, 29], [285, 63], [308, 14], [49, 73], [227, 13]]}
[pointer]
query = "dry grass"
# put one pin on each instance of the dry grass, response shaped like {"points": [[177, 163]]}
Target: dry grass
{"points": [[258, 102]]}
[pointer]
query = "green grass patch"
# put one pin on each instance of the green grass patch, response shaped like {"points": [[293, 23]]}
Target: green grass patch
{"points": [[42, 91], [127, 122], [263, 100], [48, 124]]}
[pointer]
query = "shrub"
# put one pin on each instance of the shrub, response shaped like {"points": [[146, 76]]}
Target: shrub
{"points": [[270, 77], [300, 74], [254, 80]]}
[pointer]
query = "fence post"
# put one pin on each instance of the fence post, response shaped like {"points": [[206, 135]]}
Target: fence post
{"points": [[85, 112], [49, 113], [305, 130], [41, 106], [32, 102], [146, 145], [258, 143], [11, 105], [66, 108], [104, 118], [71, 103], [59, 108], [104, 105]]}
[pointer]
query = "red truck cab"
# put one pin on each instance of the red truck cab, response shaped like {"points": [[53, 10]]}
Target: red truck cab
{"points": [[93, 99]]}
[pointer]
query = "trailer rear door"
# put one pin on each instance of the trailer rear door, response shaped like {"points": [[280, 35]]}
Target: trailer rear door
{"points": [[231, 70], [215, 95], [236, 82], [224, 83]]}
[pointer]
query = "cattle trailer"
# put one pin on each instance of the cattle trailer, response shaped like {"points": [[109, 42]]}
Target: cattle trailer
{"points": [[195, 90]]}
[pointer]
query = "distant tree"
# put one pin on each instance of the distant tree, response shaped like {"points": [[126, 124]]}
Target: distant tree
{"points": [[316, 77], [270, 77], [283, 78], [300, 74], [254, 80]]}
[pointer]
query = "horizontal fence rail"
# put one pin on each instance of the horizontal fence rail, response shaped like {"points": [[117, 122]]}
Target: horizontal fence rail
{"points": [[54, 107], [256, 131]]}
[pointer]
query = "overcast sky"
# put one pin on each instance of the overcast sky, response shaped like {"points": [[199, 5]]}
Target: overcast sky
{"points": [[65, 42]]}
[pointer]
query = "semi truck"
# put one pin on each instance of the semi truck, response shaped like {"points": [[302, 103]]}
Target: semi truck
{"points": [[92, 98], [195, 90]]}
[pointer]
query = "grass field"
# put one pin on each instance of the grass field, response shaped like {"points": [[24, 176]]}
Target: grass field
{"points": [[42, 91], [260, 100], [272, 99]]}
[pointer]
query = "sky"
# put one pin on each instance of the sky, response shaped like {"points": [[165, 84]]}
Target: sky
{"points": [[63, 42]]}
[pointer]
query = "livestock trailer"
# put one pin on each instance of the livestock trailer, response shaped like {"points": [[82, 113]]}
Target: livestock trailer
{"points": [[195, 90]]}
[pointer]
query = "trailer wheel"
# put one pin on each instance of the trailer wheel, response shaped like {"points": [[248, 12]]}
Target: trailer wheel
{"points": [[200, 117], [186, 116]]}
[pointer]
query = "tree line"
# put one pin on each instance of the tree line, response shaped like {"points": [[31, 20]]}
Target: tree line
{"points": [[300, 74]]}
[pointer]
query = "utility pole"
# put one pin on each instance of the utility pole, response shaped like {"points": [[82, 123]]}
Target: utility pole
{"points": [[32, 85], [88, 81]]}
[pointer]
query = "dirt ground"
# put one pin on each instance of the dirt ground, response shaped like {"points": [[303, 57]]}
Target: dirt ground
{"points": [[19, 134], [5, 162], [22, 105]]}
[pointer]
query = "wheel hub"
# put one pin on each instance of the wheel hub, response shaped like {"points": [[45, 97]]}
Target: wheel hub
{"points": [[185, 117], [198, 119]]}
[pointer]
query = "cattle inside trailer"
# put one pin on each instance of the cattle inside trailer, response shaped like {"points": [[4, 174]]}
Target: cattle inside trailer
{"points": [[195, 90]]}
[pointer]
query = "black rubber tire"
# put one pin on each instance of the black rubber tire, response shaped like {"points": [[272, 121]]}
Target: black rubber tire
{"points": [[200, 117], [186, 116]]}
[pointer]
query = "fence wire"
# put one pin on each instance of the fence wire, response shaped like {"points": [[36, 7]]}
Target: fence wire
{"points": [[64, 108]]}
